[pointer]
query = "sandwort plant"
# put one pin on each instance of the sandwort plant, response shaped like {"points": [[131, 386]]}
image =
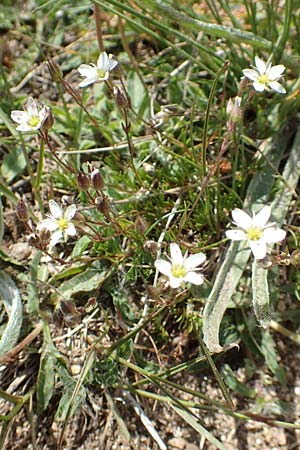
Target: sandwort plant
{"points": [[149, 217]]}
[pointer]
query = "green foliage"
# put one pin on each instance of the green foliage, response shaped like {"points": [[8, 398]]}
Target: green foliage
{"points": [[172, 168]]}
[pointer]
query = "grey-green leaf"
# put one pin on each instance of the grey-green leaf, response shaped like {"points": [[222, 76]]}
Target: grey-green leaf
{"points": [[10, 296], [260, 294]]}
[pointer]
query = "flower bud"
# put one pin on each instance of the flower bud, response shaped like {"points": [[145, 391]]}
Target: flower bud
{"points": [[48, 120], [122, 99], [44, 236], [234, 110], [244, 85], [151, 247], [55, 71], [102, 204], [97, 180], [21, 211], [295, 258], [141, 225], [83, 181]]}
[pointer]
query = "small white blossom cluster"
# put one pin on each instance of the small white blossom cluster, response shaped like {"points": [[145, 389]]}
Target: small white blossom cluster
{"points": [[256, 230]]}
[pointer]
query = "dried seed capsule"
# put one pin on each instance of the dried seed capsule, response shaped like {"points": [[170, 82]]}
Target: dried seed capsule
{"points": [[21, 211]]}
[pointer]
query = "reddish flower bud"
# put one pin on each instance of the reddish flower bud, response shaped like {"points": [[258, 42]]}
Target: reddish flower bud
{"points": [[97, 180], [83, 181]]}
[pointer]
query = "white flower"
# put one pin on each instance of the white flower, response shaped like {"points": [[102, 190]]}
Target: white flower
{"points": [[256, 230], [264, 76], [59, 222], [32, 118], [99, 72], [181, 268]]}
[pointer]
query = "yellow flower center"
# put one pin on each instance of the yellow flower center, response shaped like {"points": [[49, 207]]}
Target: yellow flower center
{"points": [[101, 73], [34, 121], [62, 223], [254, 234], [178, 271], [263, 79]]}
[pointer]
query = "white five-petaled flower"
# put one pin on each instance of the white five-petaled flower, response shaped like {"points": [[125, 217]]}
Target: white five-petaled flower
{"points": [[59, 222], [99, 72], [265, 77], [32, 118], [256, 230], [181, 268]]}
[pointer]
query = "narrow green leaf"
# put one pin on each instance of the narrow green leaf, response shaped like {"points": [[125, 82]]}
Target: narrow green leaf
{"points": [[80, 246], [268, 349], [235, 385], [86, 281], [118, 417], [32, 296], [138, 95], [199, 428], [45, 381], [13, 164]]}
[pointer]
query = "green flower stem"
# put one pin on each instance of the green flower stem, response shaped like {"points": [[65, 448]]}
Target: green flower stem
{"points": [[283, 38], [40, 165], [98, 27]]}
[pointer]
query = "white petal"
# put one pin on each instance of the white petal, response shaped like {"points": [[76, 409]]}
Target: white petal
{"points": [[55, 209], [163, 267], [277, 87], [194, 278], [19, 116], [25, 127], [261, 219], [43, 113], [71, 230], [276, 71], [49, 224], [31, 106], [86, 69], [112, 63], [259, 249], [259, 87], [241, 219], [88, 81], [236, 235], [251, 74], [272, 235], [260, 64], [194, 261], [175, 282], [103, 61], [70, 212], [55, 238], [176, 255]]}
